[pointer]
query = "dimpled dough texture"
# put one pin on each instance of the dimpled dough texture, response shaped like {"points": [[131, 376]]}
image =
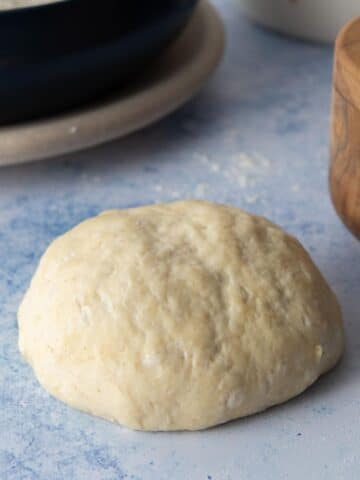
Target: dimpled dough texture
{"points": [[178, 316]]}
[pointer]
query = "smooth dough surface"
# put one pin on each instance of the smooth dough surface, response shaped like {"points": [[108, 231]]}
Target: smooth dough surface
{"points": [[178, 316]]}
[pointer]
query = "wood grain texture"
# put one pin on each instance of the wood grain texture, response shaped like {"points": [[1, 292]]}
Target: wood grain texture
{"points": [[345, 128]]}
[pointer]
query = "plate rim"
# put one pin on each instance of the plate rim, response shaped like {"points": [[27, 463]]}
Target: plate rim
{"points": [[119, 116]]}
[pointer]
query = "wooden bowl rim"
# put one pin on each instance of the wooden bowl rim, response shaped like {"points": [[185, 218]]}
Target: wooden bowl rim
{"points": [[341, 44]]}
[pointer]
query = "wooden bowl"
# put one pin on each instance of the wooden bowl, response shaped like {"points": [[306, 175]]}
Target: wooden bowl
{"points": [[61, 55], [345, 127]]}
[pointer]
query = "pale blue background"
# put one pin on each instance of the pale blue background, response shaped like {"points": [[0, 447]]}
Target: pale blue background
{"points": [[269, 98]]}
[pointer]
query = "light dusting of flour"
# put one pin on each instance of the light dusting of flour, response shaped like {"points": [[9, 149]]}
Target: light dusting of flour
{"points": [[245, 171], [200, 190]]}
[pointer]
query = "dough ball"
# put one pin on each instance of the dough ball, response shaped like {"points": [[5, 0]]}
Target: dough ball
{"points": [[178, 316]]}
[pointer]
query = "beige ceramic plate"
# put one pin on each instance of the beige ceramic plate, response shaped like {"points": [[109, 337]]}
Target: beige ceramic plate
{"points": [[173, 80]]}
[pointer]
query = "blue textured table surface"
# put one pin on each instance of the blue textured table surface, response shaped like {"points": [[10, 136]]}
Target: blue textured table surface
{"points": [[255, 137]]}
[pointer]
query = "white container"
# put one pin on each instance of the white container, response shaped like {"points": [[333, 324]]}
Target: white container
{"points": [[318, 20]]}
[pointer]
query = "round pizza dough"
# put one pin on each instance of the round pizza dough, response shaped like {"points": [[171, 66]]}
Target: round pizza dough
{"points": [[178, 316]]}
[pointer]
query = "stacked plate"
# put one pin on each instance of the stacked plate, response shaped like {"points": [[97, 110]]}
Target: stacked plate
{"points": [[74, 73]]}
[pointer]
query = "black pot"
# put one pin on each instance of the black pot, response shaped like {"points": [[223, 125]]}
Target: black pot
{"points": [[60, 55]]}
